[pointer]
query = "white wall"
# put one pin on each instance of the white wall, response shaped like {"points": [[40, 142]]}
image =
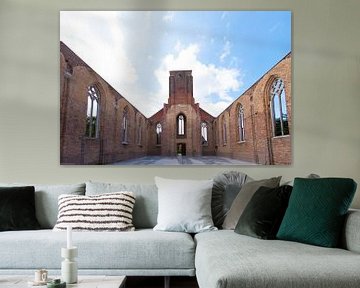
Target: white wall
{"points": [[326, 90]]}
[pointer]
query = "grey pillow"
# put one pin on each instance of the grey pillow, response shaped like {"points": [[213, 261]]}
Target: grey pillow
{"points": [[146, 204], [225, 189], [184, 205], [310, 176], [243, 198], [46, 200]]}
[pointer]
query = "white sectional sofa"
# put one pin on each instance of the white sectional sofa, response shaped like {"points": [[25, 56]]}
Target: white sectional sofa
{"points": [[219, 259]]}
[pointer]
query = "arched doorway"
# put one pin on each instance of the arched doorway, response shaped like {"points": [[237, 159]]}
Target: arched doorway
{"points": [[181, 148]]}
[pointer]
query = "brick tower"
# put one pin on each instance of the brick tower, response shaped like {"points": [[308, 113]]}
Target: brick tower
{"points": [[181, 87]]}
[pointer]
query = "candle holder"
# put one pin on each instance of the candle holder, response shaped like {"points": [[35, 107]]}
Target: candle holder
{"points": [[69, 271]]}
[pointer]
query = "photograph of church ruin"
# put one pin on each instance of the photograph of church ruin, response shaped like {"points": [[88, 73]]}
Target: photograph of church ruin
{"points": [[101, 125]]}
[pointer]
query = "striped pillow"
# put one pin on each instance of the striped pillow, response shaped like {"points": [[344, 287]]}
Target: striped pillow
{"points": [[105, 212]]}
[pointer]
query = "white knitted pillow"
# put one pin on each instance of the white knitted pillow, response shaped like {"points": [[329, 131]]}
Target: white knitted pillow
{"points": [[105, 212]]}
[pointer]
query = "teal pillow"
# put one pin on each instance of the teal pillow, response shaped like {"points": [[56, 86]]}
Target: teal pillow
{"points": [[316, 211]]}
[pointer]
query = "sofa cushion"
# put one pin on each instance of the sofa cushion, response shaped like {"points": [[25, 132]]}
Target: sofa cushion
{"points": [[105, 212], [146, 205], [134, 251], [263, 214], [350, 239], [46, 200], [184, 205], [225, 189], [317, 209], [243, 198], [225, 259], [17, 208]]}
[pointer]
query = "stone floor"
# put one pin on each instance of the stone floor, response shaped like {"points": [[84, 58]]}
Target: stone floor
{"points": [[183, 160]]}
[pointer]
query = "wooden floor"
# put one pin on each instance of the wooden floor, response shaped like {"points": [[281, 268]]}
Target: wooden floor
{"points": [[158, 282]]}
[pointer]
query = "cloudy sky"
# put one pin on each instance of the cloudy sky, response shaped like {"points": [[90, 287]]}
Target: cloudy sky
{"points": [[134, 51]]}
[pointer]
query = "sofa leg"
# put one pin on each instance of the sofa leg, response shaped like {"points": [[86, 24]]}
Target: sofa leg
{"points": [[167, 282]]}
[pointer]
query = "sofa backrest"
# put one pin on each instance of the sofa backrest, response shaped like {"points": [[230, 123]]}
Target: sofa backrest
{"points": [[46, 200], [146, 203]]}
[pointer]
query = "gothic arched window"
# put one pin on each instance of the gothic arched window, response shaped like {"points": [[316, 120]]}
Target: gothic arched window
{"points": [[181, 127], [278, 108], [125, 126], [204, 133], [158, 133], [92, 119], [216, 133], [224, 130], [139, 132], [241, 123]]}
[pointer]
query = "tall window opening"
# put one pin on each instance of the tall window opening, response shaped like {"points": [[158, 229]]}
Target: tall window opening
{"points": [[125, 126], [158, 133], [204, 133], [216, 133], [278, 108], [181, 125], [139, 134], [92, 118], [224, 131], [241, 123]]}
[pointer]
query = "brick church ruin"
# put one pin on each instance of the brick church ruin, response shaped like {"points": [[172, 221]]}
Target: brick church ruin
{"points": [[98, 125]]}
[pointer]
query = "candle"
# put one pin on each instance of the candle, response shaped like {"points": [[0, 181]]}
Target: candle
{"points": [[69, 239]]}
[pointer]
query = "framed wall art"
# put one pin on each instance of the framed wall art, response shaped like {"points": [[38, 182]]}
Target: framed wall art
{"points": [[175, 88]]}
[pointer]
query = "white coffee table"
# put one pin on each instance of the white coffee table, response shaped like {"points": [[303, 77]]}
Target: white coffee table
{"points": [[84, 281]]}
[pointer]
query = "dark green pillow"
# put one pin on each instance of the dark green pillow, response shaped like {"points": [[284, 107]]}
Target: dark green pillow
{"points": [[264, 212], [17, 208], [316, 211]]}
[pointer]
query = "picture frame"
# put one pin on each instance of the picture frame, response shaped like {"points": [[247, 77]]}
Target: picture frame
{"points": [[175, 88]]}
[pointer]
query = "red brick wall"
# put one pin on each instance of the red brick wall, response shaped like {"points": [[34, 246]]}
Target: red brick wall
{"points": [[260, 146], [181, 101], [76, 148]]}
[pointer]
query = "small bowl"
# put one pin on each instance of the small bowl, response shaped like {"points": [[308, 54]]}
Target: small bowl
{"points": [[56, 283]]}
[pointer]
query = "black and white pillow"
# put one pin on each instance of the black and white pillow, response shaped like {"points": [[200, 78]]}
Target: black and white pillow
{"points": [[105, 212]]}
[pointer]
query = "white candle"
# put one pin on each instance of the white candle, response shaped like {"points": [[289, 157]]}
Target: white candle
{"points": [[69, 239]]}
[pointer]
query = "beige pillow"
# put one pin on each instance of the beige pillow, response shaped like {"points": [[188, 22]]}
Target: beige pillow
{"points": [[243, 198], [104, 212]]}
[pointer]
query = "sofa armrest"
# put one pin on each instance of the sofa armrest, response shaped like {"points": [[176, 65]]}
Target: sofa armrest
{"points": [[351, 234]]}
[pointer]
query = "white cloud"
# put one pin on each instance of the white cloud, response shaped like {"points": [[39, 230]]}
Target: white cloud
{"points": [[105, 41], [169, 16], [225, 51], [137, 67], [178, 46], [96, 38], [212, 84], [274, 28]]}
